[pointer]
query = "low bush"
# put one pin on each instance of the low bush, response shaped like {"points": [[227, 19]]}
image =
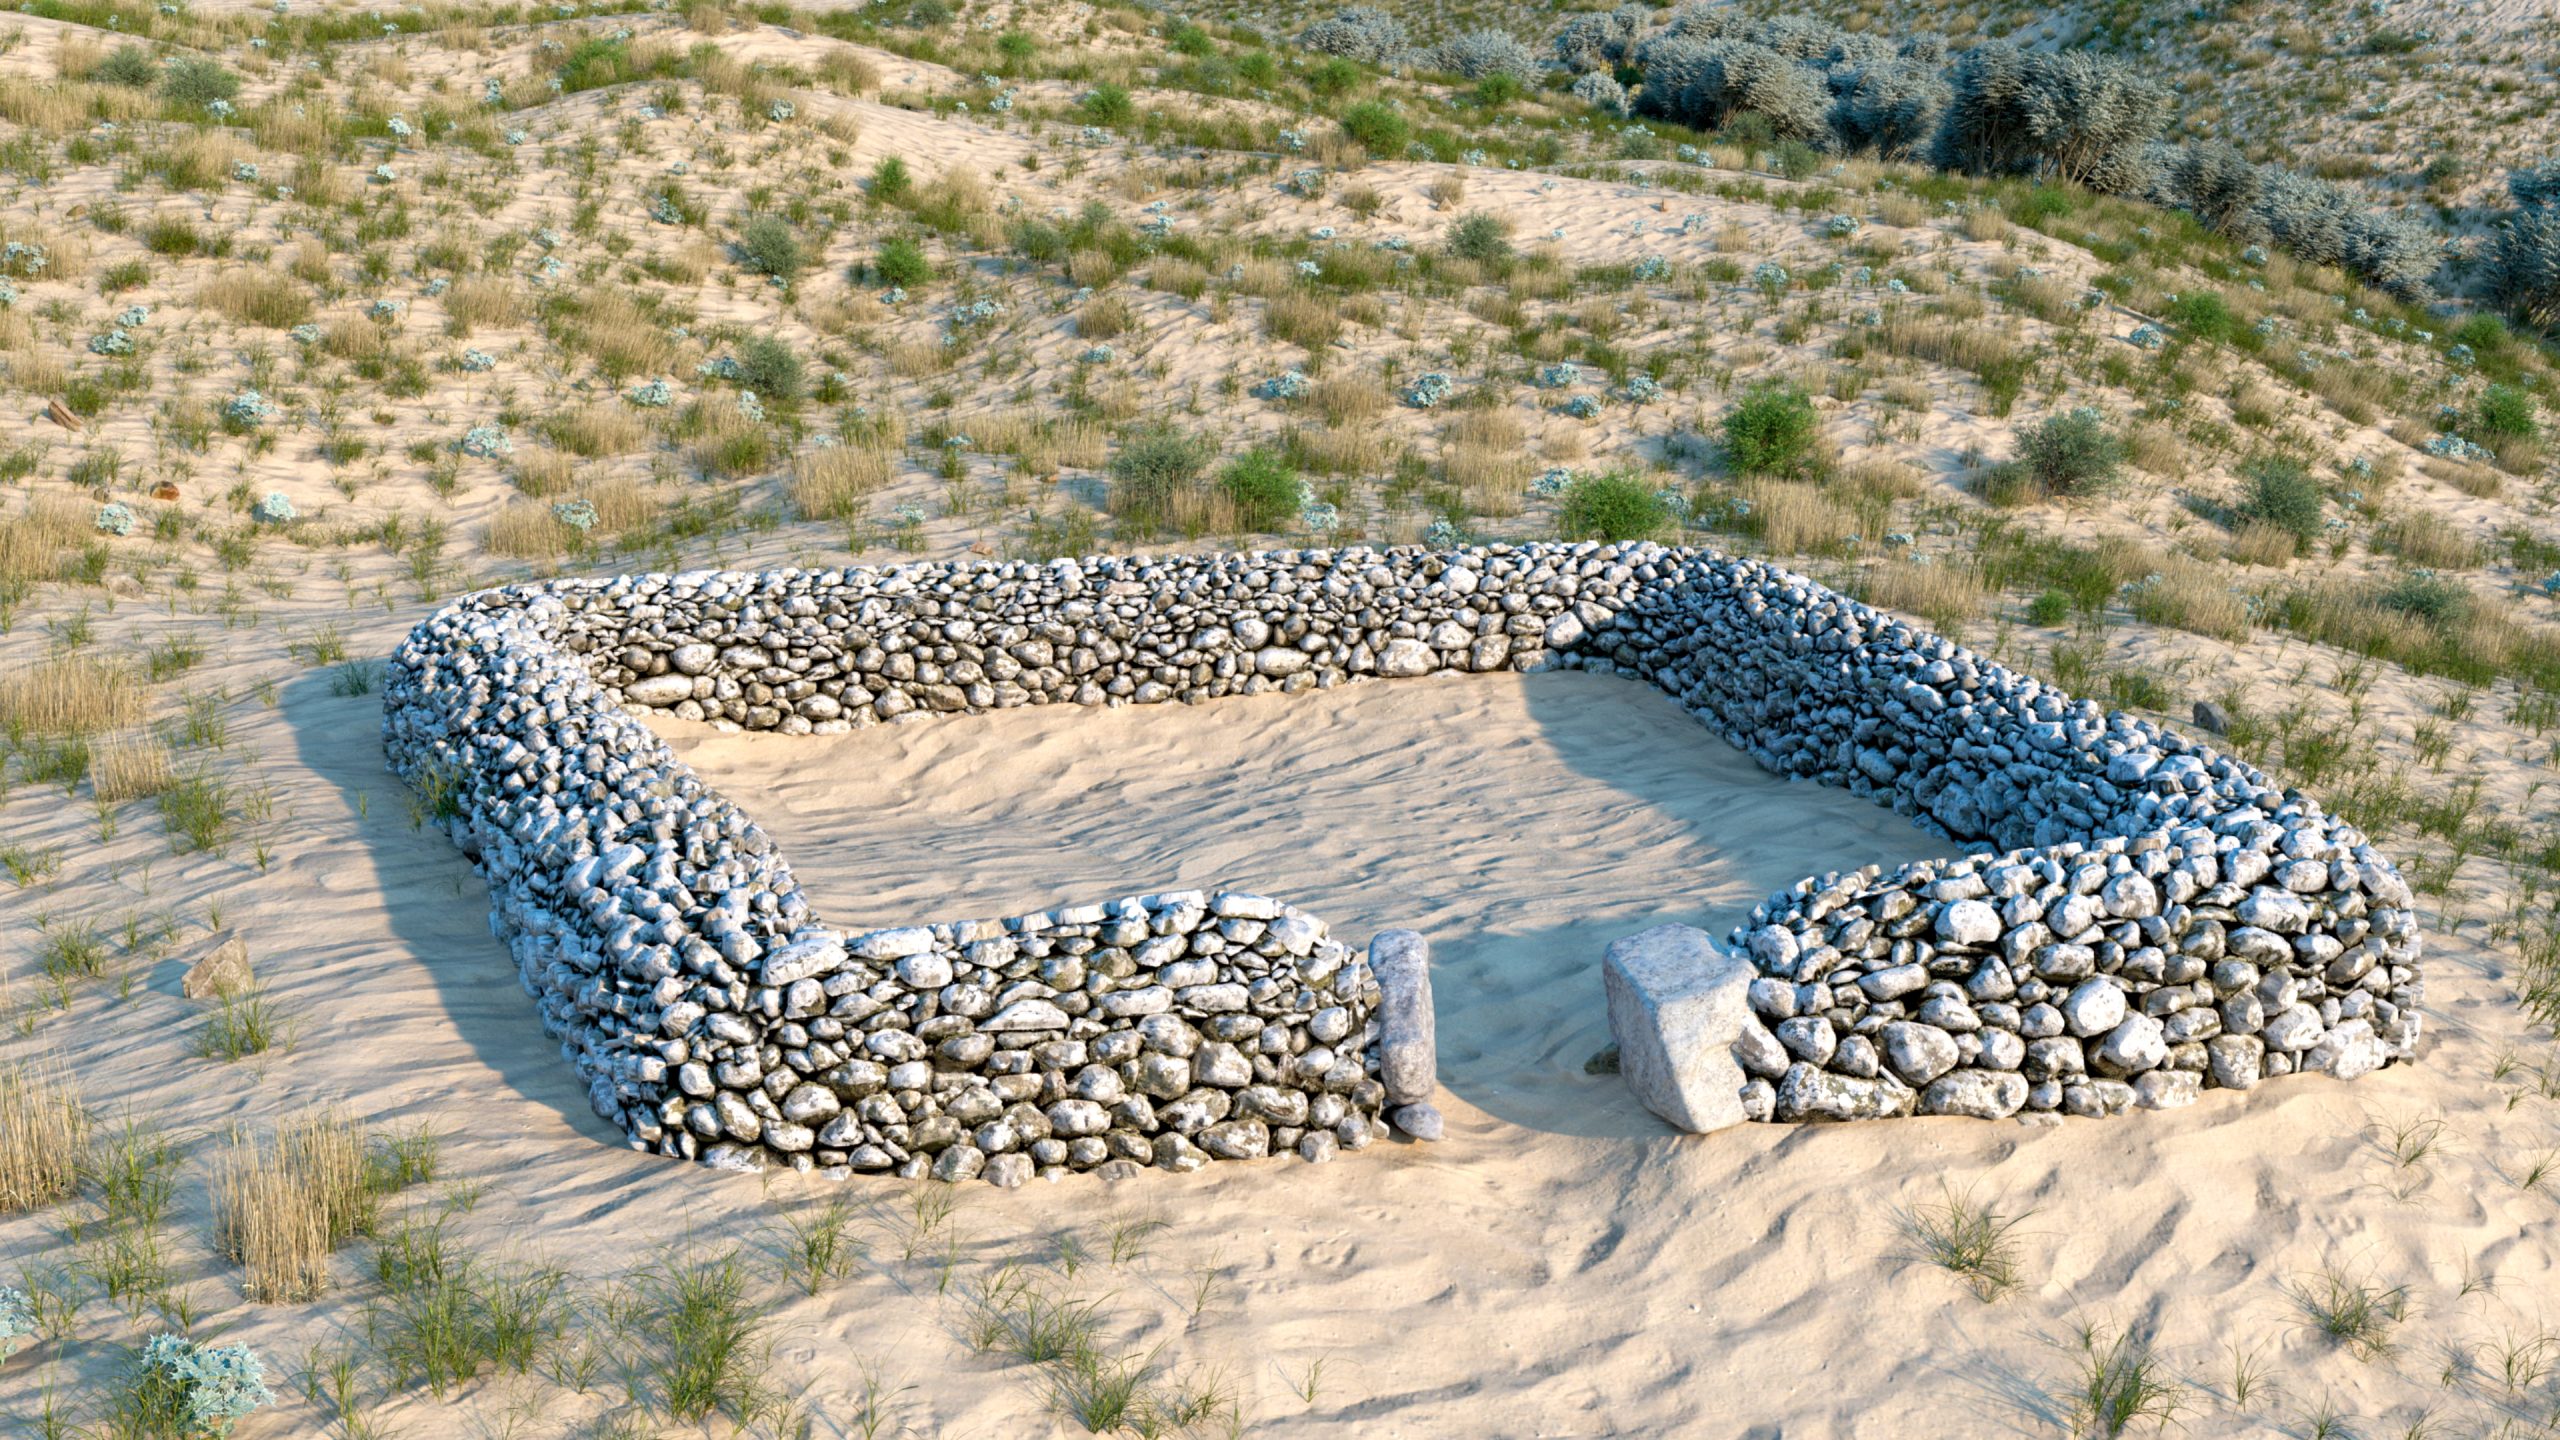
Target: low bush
{"points": [[1612, 505], [902, 262], [2279, 492], [1480, 237], [198, 83], [1772, 431], [1378, 129], [769, 245], [767, 366], [1150, 473], [1263, 488], [2073, 453]]}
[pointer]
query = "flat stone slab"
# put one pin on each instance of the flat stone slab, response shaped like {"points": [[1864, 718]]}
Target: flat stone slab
{"points": [[1677, 1004]]}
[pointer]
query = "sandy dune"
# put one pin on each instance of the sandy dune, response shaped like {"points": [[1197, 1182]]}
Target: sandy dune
{"points": [[1561, 1266]]}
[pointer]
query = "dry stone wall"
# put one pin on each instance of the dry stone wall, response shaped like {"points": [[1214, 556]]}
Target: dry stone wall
{"points": [[2239, 931]]}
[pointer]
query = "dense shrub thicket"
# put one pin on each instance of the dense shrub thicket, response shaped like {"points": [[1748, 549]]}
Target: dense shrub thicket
{"points": [[1993, 109]]}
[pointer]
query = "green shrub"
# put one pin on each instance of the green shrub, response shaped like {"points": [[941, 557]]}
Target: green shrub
{"points": [[1772, 431], [1615, 505], [2073, 453], [130, 66], [2427, 596], [768, 244], [1479, 236], [2204, 316], [2050, 608], [1150, 473], [1334, 77], [1263, 488], [891, 183], [198, 83], [596, 63], [1499, 89], [2505, 412], [1795, 160], [767, 366], [1380, 130], [902, 262], [1107, 104], [2280, 492]]}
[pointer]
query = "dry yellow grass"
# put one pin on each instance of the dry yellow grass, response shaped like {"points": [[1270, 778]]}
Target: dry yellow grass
{"points": [[281, 1206], [480, 300], [543, 473], [1181, 277], [35, 541], [255, 295], [1344, 399], [1308, 321], [1879, 479], [847, 72], [1104, 317], [1491, 478], [913, 358], [131, 766], [621, 503], [1947, 593], [600, 428], [1342, 450], [69, 695], [1092, 267], [2186, 594], [831, 484], [2423, 537], [44, 1134], [2257, 544], [1797, 519], [526, 529], [1901, 209], [53, 109], [619, 336], [38, 373]]}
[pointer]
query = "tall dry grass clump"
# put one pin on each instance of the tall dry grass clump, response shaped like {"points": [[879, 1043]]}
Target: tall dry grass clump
{"points": [[831, 484], [617, 334], [131, 766], [1309, 321], [597, 429], [35, 541], [282, 1205], [255, 295], [847, 72], [44, 1134], [482, 300], [542, 473], [528, 530], [69, 695], [1794, 518], [1948, 594]]}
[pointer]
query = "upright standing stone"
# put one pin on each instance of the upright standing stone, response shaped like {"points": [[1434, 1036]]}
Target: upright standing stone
{"points": [[1677, 1004], [1408, 1043]]}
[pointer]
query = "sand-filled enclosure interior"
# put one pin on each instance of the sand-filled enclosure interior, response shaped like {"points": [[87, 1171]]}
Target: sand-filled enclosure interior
{"points": [[1521, 822]]}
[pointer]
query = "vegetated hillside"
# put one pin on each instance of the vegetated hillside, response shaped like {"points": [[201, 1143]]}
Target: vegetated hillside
{"points": [[316, 317], [2423, 102]]}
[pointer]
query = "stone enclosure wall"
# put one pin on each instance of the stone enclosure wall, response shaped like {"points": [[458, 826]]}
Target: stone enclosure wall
{"points": [[2184, 923]]}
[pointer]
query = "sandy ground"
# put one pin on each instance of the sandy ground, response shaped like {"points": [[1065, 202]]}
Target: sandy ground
{"points": [[1561, 1266]]}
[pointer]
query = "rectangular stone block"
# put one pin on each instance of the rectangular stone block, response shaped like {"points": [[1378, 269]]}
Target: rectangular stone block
{"points": [[1676, 1006]]}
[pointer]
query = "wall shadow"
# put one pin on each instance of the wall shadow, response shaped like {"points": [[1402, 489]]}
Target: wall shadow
{"points": [[437, 904]]}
